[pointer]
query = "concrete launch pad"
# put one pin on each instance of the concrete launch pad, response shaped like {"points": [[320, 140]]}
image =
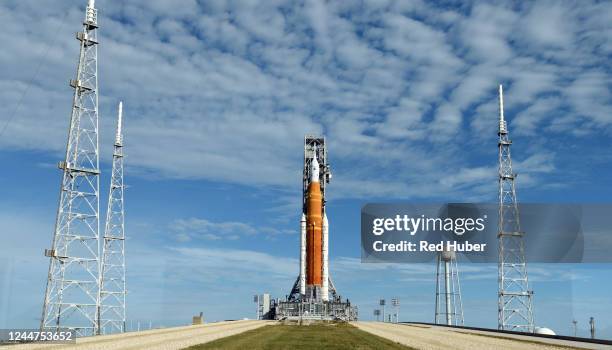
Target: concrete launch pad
{"points": [[418, 336], [255, 335], [173, 338]]}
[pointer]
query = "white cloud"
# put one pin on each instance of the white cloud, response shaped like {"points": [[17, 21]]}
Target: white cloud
{"points": [[225, 92], [549, 24], [185, 230], [484, 32]]}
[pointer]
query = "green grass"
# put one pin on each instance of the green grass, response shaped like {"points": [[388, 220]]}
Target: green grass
{"points": [[313, 337]]}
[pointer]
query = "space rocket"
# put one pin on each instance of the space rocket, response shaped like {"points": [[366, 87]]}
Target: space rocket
{"points": [[314, 233]]}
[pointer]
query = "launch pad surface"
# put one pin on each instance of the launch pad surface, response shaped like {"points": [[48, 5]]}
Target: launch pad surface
{"points": [[418, 336], [255, 335], [172, 338], [379, 335]]}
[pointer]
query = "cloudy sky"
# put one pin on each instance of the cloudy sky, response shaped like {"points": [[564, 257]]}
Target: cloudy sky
{"points": [[217, 99]]}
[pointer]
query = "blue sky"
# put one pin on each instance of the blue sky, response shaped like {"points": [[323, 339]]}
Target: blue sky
{"points": [[217, 97]]}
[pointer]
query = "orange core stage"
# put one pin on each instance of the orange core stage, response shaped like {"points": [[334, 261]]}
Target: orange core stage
{"points": [[314, 235]]}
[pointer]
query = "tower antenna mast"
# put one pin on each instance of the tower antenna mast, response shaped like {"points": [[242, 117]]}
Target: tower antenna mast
{"points": [[112, 285], [72, 297], [515, 311]]}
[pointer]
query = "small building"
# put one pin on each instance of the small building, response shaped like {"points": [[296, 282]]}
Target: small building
{"points": [[198, 319]]}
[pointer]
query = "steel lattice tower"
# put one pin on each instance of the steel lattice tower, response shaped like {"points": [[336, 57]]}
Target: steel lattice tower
{"points": [[112, 284], [72, 294], [451, 313], [515, 311]]}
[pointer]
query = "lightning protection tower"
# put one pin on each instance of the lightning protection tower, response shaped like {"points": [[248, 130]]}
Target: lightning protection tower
{"points": [[112, 283], [515, 310], [72, 294], [447, 276]]}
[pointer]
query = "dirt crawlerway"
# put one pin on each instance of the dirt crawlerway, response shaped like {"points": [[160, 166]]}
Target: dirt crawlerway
{"points": [[433, 338], [157, 339]]}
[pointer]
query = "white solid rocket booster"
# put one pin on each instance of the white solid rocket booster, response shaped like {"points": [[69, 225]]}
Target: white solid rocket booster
{"points": [[303, 255], [325, 285]]}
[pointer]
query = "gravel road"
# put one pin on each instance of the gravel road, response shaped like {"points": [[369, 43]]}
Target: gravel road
{"points": [[437, 338], [156, 339]]}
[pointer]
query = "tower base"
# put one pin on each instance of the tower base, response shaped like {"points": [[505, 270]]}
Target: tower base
{"points": [[309, 309], [310, 306]]}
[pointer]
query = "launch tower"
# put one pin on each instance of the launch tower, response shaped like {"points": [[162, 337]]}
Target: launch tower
{"points": [[72, 296], [314, 295], [515, 311]]}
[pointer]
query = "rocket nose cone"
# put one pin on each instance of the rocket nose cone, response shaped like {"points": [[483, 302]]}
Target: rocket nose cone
{"points": [[303, 217], [325, 222], [314, 167]]}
